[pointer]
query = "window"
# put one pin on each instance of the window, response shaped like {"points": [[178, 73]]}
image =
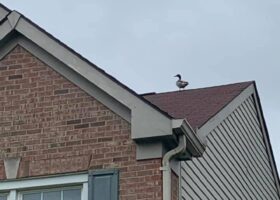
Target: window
{"points": [[3, 197], [54, 194], [67, 187], [95, 185]]}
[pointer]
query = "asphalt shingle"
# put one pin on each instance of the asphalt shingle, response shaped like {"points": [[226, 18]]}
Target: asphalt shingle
{"points": [[197, 106]]}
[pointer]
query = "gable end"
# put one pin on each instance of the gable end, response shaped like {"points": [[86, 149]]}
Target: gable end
{"points": [[69, 74], [147, 121], [236, 163]]}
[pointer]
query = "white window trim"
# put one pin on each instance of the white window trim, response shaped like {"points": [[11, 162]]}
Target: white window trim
{"points": [[14, 188]]}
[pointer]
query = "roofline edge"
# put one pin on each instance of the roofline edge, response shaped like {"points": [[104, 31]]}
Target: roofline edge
{"points": [[266, 138], [216, 119], [157, 122], [194, 144]]}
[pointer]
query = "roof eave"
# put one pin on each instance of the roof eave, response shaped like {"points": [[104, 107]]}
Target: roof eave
{"points": [[195, 146]]}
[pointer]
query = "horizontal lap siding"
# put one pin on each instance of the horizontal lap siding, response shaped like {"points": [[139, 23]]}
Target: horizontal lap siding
{"points": [[235, 164]]}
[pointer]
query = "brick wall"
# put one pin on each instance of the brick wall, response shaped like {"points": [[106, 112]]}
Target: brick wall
{"points": [[55, 127]]}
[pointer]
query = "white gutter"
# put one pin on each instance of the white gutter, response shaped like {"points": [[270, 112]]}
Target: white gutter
{"points": [[189, 145], [166, 170], [194, 144]]}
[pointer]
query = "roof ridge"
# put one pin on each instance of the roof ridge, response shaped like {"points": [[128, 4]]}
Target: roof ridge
{"points": [[203, 88]]}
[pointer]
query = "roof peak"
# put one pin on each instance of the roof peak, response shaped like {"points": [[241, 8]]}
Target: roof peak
{"points": [[197, 105], [4, 7], [203, 88], [4, 11]]}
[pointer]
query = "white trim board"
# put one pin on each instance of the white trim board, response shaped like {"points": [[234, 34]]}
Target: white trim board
{"points": [[223, 113], [43, 182], [3, 12], [15, 188]]}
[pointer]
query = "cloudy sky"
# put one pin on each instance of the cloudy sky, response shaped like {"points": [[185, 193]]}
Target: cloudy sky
{"points": [[145, 43]]}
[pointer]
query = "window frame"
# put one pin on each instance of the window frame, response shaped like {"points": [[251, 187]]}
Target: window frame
{"points": [[54, 189], [15, 188], [4, 194]]}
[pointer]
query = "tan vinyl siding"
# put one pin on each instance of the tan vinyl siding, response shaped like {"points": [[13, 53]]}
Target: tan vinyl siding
{"points": [[235, 164]]}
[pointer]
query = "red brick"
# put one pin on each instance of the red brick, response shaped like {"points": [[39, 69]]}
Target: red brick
{"points": [[15, 77], [81, 126], [55, 127], [76, 121], [64, 91]]}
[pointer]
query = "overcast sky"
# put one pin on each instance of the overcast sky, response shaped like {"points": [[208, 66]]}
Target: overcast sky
{"points": [[145, 43]]}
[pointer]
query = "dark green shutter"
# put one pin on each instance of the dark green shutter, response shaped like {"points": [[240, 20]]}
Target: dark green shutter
{"points": [[104, 185]]}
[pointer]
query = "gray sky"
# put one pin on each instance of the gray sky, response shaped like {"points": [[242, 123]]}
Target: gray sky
{"points": [[145, 43]]}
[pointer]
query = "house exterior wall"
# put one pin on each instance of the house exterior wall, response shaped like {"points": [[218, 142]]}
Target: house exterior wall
{"points": [[54, 127], [235, 164], [174, 186]]}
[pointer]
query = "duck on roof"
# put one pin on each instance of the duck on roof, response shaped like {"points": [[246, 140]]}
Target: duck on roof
{"points": [[148, 122], [153, 117]]}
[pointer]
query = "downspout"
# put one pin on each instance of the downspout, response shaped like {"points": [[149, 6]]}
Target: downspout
{"points": [[166, 170]]}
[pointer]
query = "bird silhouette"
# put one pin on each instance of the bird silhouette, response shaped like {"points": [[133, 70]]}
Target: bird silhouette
{"points": [[180, 83]]}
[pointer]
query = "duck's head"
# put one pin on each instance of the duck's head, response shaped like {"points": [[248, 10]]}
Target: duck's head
{"points": [[178, 75]]}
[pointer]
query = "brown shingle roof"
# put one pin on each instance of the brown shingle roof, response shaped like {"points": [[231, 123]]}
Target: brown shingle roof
{"points": [[196, 105]]}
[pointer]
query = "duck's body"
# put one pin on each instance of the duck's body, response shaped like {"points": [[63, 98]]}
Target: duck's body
{"points": [[180, 83]]}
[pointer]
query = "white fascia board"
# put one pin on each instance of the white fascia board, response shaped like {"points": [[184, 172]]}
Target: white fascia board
{"points": [[9, 24], [194, 144], [3, 13], [5, 29], [146, 121], [13, 19], [224, 113], [43, 182]]}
